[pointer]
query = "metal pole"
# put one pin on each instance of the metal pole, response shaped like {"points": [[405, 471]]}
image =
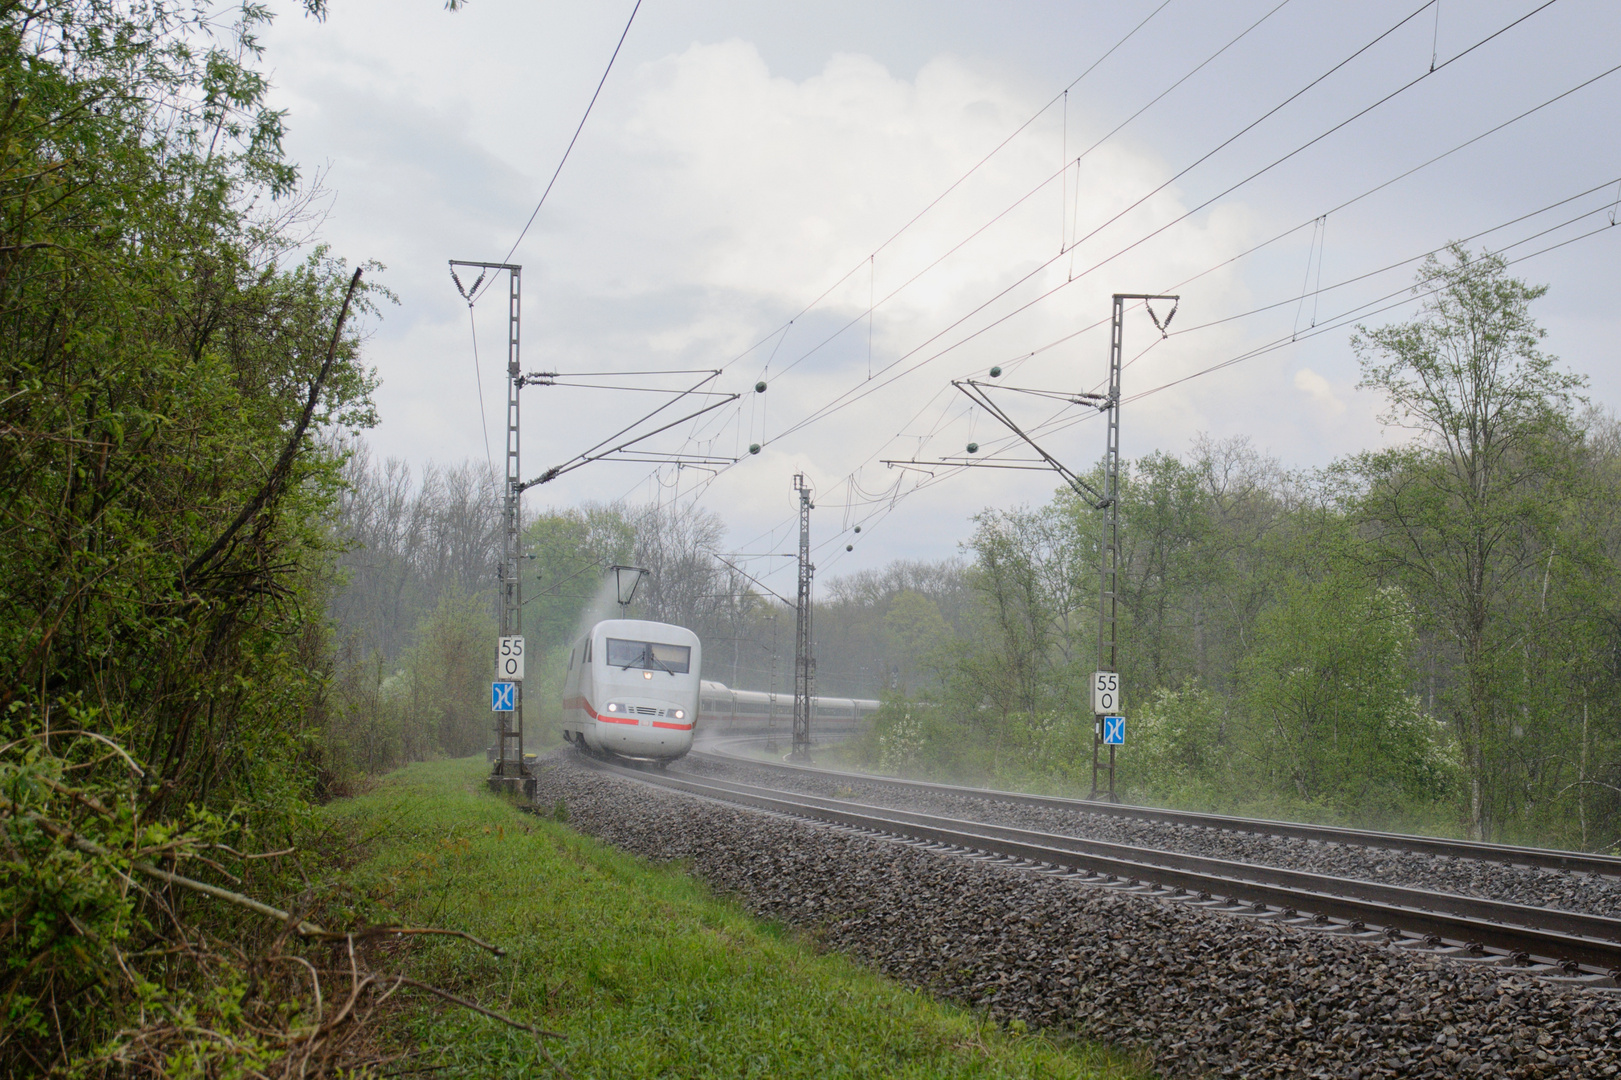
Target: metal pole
{"points": [[804, 664], [1109, 553], [771, 698], [512, 593], [509, 726]]}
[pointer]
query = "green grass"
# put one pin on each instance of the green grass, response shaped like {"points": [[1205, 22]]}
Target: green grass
{"points": [[642, 970]]}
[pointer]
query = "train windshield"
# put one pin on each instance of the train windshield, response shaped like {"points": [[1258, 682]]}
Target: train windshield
{"points": [[652, 655]]}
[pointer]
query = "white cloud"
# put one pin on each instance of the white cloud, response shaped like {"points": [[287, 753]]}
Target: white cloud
{"points": [[708, 202], [744, 194], [1320, 391], [710, 197]]}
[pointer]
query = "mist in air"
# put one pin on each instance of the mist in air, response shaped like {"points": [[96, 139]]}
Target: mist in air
{"points": [[603, 605]]}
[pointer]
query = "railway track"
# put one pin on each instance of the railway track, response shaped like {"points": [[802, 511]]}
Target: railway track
{"points": [[1506, 854], [1562, 944]]}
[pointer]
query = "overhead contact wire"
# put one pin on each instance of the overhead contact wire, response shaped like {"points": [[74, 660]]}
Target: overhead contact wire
{"points": [[836, 404], [954, 184], [861, 391], [576, 137]]}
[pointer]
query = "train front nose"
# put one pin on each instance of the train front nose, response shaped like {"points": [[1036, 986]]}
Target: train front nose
{"points": [[643, 725]]}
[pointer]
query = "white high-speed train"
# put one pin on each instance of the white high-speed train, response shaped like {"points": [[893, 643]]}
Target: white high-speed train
{"points": [[633, 688]]}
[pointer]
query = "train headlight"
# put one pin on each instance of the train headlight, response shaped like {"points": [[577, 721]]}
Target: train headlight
{"points": [[647, 674], [613, 707], [679, 714]]}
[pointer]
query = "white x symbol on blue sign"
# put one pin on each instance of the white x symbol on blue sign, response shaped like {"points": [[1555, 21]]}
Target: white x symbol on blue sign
{"points": [[503, 696], [1114, 730]]}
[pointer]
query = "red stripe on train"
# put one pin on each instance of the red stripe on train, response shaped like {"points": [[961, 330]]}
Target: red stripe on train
{"points": [[581, 703]]}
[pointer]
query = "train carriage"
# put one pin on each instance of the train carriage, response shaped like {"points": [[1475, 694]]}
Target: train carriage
{"points": [[722, 710]]}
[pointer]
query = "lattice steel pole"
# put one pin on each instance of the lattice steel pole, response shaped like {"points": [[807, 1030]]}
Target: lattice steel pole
{"points": [[771, 716], [1109, 553], [1109, 543], [512, 585], [804, 663], [509, 726]]}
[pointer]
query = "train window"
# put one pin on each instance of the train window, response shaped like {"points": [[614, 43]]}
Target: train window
{"points": [[571, 653], [652, 655], [588, 650], [673, 657]]}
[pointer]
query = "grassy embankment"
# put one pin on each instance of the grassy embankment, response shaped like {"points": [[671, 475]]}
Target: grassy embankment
{"points": [[643, 971]]}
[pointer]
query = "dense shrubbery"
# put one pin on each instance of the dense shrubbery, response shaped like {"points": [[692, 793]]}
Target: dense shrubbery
{"points": [[1049, 751], [163, 371]]}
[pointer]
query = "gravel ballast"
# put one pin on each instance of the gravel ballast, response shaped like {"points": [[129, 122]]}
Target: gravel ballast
{"points": [[1205, 993], [1596, 895]]}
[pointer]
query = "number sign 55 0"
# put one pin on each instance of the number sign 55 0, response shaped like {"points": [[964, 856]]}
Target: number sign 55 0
{"points": [[509, 658], [1105, 692]]}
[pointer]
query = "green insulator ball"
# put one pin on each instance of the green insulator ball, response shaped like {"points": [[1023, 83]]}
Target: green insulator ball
{"points": [[973, 448], [996, 373], [754, 448], [858, 528], [759, 387], [849, 547]]}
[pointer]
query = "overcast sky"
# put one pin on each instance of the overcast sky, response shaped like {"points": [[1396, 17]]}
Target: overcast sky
{"points": [[748, 161]]}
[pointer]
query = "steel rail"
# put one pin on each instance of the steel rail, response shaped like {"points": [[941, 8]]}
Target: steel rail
{"points": [[1507, 854], [1549, 934]]}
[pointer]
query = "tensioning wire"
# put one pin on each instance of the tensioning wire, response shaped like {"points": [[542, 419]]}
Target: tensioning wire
{"points": [[840, 402], [478, 377], [1343, 205], [576, 136], [827, 410]]}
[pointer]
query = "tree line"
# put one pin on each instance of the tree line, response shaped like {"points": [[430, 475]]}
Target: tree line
{"points": [[1427, 634]]}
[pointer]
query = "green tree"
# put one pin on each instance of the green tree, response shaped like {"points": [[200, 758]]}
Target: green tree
{"points": [[569, 551], [1329, 692], [447, 679], [1184, 749], [1466, 513], [916, 630]]}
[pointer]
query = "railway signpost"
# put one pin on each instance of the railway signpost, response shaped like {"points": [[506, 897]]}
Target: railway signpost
{"points": [[1105, 692], [1114, 731], [503, 697], [509, 658]]}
